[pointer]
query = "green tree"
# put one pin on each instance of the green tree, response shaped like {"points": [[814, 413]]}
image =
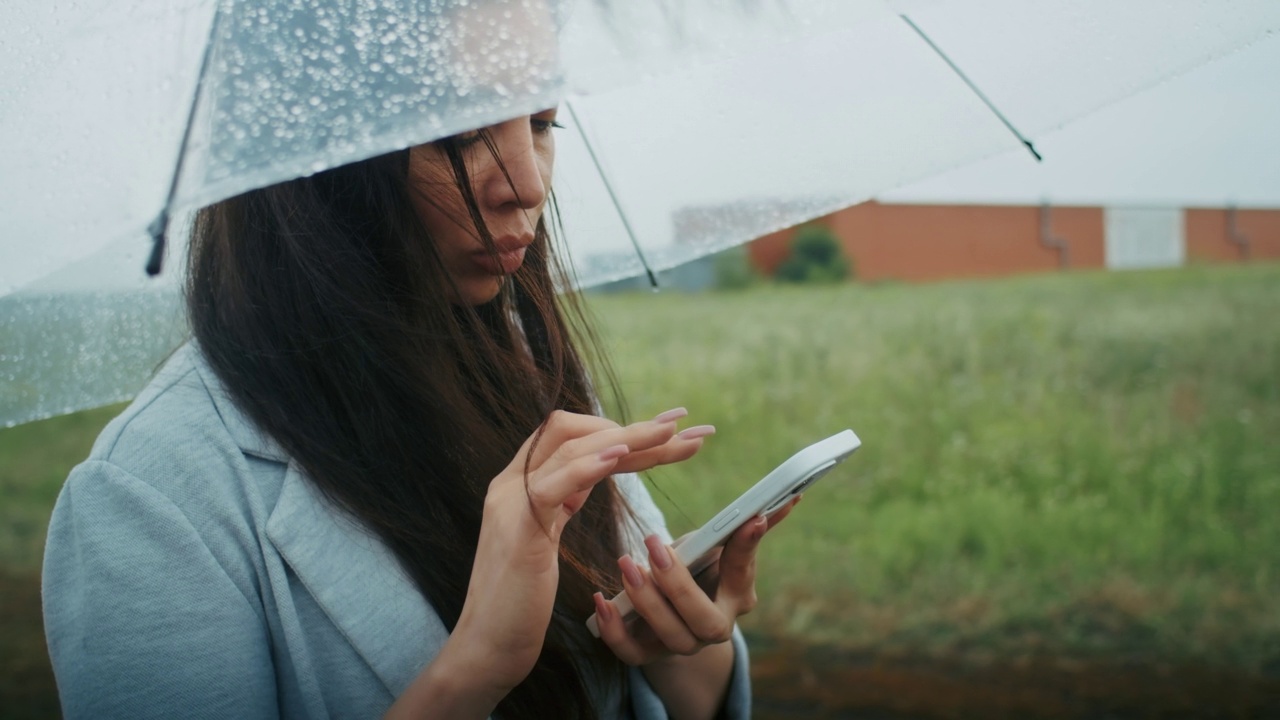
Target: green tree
{"points": [[816, 257]]}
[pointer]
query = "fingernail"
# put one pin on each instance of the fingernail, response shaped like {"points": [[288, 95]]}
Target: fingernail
{"points": [[696, 432], [671, 415], [658, 554], [761, 525], [631, 572], [613, 453], [602, 607]]}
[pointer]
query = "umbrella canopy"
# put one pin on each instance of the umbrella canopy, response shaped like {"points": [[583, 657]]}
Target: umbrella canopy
{"points": [[701, 127], [116, 111], [1204, 139]]}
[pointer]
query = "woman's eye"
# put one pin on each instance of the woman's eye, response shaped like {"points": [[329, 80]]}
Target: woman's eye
{"points": [[464, 139], [542, 127]]}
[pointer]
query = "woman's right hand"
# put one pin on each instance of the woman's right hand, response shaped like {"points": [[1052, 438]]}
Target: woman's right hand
{"points": [[509, 600]]}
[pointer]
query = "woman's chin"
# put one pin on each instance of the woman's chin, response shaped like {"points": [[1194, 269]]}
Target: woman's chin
{"points": [[481, 290]]}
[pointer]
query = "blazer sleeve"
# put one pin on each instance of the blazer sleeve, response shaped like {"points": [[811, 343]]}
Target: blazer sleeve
{"points": [[646, 705], [141, 620]]}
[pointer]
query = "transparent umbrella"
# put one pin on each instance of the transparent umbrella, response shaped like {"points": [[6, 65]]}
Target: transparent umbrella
{"points": [[691, 128], [1205, 139]]}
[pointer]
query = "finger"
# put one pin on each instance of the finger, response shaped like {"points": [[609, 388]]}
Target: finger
{"points": [[736, 589], [638, 436], [703, 618], [613, 631], [782, 513], [568, 484], [678, 448], [651, 604], [560, 427], [707, 572]]}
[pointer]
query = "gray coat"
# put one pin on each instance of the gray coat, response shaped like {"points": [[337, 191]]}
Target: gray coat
{"points": [[192, 570]]}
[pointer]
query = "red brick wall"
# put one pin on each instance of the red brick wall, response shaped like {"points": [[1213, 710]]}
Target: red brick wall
{"points": [[1084, 230], [1207, 239], [768, 252], [932, 242]]}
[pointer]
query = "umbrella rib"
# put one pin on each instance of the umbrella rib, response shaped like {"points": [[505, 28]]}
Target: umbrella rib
{"points": [[608, 186], [981, 96], [159, 227]]}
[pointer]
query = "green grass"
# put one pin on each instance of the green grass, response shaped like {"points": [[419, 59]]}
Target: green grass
{"points": [[34, 460], [1073, 464], [1078, 465]]}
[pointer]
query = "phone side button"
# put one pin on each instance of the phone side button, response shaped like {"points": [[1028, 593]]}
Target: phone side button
{"points": [[722, 522]]}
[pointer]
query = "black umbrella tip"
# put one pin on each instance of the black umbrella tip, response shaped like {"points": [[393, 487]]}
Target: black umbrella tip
{"points": [[1032, 148], [155, 261]]}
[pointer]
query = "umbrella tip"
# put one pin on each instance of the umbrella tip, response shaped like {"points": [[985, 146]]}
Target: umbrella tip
{"points": [[157, 232]]}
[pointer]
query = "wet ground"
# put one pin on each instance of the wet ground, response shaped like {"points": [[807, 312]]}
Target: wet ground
{"points": [[798, 681]]}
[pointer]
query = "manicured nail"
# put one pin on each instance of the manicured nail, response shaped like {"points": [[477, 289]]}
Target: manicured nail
{"points": [[671, 415], [760, 526], [613, 453], [602, 607], [659, 556], [696, 432], [631, 572]]}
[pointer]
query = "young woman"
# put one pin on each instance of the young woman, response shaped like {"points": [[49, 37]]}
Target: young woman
{"points": [[375, 482]]}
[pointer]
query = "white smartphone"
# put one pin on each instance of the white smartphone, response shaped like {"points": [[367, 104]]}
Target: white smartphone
{"points": [[766, 497]]}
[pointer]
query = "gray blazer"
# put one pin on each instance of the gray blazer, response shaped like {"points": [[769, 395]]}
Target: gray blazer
{"points": [[192, 570]]}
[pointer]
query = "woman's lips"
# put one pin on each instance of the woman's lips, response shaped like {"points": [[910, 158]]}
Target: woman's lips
{"points": [[505, 263]]}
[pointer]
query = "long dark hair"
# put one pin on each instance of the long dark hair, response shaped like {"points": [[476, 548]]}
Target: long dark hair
{"points": [[323, 305]]}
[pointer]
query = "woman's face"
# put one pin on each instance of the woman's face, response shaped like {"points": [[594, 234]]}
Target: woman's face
{"points": [[510, 203]]}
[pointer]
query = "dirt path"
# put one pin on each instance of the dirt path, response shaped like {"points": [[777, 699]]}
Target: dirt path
{"points": [[794, 681]]}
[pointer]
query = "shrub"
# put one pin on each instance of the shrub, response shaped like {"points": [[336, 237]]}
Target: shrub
{"points": [[816, 257]]}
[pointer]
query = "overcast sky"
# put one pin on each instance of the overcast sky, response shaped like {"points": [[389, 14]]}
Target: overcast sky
{"points": [[1209, 137]]}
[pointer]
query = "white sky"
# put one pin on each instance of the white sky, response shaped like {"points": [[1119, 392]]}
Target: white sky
{"points": [[1209, 137]]}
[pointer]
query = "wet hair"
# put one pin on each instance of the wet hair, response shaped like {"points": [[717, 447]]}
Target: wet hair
{"points": [[323, 305]]}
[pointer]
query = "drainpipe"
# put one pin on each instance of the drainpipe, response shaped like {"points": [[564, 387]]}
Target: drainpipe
{"points": [[1234, 236], [1051, 241]]}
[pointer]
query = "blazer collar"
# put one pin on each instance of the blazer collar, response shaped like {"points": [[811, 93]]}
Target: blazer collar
{"points": [[246, 433], [357, 581]]}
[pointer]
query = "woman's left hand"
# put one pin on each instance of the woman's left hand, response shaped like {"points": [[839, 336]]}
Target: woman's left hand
{"points": [[678, 615]]}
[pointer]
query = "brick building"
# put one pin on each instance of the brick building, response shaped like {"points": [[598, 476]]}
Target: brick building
{"points": [[916, 242]]}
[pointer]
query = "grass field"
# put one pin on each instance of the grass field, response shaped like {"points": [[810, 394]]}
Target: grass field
{"points": [[34, 460], [1083, 465]]}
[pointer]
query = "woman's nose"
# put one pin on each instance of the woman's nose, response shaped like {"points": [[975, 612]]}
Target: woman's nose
{"points": [[522, 184]]}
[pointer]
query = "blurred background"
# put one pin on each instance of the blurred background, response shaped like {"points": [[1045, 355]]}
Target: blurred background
{"points": [[1067, 379]]}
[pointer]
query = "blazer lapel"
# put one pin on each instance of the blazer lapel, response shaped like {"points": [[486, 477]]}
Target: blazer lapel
{"points": [[354, 578], [358, 582]]}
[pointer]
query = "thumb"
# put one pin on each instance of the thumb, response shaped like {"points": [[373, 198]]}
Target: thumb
{"points": [[738, 561]]}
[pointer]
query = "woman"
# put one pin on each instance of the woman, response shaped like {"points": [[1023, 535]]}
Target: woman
{"points": [[374, 483]]}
